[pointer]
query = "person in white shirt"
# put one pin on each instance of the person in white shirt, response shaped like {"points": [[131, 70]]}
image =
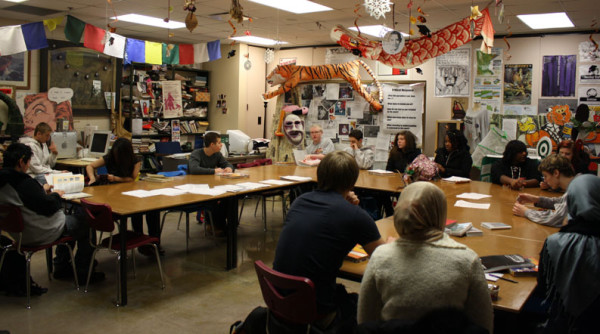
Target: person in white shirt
{"points": [[44, 155], [320, 146], [364, 155]]}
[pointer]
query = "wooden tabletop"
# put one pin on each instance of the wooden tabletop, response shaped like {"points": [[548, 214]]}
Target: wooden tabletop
{"points": [[525, 238]]}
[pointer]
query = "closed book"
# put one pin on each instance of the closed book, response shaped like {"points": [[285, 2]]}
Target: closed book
{"points": [[526, 271], [474, 232], [357, 254], [458, 230], [494, 263], [495, 226]]}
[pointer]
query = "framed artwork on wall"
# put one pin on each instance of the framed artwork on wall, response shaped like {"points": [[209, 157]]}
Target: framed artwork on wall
{"points": [[89, 73], [15, 70]]}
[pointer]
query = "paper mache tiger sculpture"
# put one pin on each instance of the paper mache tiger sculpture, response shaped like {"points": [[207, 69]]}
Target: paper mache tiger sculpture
{"points": [[289, 76]]}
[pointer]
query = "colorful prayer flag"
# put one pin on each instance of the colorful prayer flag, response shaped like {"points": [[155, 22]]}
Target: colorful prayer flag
{"points": [[52, 23], [94, 38], [214, 50], [153, 53], [200, 53], [11, 40], [170, 54], [135, 51], [115, 45], [74, 29], [186, 54]]}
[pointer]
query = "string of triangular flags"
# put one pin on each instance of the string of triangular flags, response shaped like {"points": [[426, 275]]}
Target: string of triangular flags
{"points": [[32, 36]]}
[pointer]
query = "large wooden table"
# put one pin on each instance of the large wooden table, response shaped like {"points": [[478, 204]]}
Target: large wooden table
{"points": [[525, 238]]}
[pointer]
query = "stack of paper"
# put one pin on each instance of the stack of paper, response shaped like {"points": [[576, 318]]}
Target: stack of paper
{"points": [[465, 204], [277, 182], [457, 179], [296, 178]]}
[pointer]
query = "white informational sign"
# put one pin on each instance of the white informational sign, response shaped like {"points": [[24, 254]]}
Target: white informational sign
{"points": [[171, 92], [403, 108], [589, 94], [453, 72], [588, 52], [515, 109], [589, 74]]}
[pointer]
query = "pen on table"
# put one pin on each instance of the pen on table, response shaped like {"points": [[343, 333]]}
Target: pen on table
{"points": [[503, 278]]}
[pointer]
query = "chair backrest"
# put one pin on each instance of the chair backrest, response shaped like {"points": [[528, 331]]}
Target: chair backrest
{"points": [[264, 162], [167, 147], [99, 216], [11, 219], [248, 165], [298, 302]]}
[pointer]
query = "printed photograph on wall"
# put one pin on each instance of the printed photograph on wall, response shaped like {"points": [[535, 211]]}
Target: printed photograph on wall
{"points": [[558, 75], [322, 113], [14, 70], [370, 131], [344, 129], [517, 83], [340, 108], [307, 92], [318, 90], [346, 92]]}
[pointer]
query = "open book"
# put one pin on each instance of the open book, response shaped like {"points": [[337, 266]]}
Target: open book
{"points": [[71, 184]]}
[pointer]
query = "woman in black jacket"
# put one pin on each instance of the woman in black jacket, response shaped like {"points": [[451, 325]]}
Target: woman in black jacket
{"points": [[454, 158], [404, 151]]}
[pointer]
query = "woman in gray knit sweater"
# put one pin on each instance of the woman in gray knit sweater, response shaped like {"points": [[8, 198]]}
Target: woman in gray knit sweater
{"points": [[424, 269]]}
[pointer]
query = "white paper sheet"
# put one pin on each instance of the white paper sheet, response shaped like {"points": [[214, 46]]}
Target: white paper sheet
{"points": [[472, 196], [296, 178], [465, 204], [252, 185], [332, 91], [277, 182], [380, 172], [191, 186], [457, 179], [139, 193]]}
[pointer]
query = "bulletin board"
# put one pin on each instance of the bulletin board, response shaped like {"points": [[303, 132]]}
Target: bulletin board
{"points": [[338, 110]]}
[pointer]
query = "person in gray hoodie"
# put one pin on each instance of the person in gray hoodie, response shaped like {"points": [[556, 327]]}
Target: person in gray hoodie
{"points": [[43, 214], [44, 154]]}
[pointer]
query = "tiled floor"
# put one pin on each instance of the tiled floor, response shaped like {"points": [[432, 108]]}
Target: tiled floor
{"points": [[200, 297]]}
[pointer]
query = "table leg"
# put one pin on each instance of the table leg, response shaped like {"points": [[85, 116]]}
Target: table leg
{"points": [[232, 225], [123, 260]]}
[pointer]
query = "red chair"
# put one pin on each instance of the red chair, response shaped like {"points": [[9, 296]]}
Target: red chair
{"points": [[11, 220], [298, 306], [100, 218], [264, 195]]}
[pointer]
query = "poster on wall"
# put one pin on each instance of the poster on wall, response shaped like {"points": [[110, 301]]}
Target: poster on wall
{"points": [[48, 107], [558, 75], [517, 109], [517, 83], [546, 105], [589, 74], [403, 109], [171, 94], [339, 56], [452, 73], [588, 52], [589, 94], [487, 85]]}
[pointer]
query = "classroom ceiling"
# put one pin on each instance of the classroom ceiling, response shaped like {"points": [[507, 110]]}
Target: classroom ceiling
{"points": [[298, 30]]}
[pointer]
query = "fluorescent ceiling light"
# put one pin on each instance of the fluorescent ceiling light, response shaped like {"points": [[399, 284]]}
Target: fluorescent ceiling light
{"points": [[376, 30], [546, 21], [294, 6], [150, 21], [17, 1], [257, 40]]}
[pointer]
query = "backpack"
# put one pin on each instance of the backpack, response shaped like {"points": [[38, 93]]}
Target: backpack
{"points": [[424, 169]]}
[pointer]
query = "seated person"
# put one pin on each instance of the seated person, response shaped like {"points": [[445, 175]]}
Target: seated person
{"points": [[44, 155], [320, 228], [558, 173], [404, 151], [569, 269], [364, 155], [424, 269], [516, 169], [576, 155], [123, 166], [454, 158], [319, 147], [209, 160], [43, 215]]}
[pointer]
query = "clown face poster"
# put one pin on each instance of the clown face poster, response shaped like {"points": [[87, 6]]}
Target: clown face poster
{"points": [[517, 83]]}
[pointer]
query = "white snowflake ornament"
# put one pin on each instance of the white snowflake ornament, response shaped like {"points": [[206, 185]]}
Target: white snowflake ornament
{"points": [[269, 56], [377, 8]]}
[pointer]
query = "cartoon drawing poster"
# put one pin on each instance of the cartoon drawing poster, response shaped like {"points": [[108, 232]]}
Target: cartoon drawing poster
{"points": [[452, 73], [171, 93], [517, 83]]}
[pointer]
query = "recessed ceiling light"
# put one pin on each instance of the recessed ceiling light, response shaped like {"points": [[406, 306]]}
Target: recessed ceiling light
{"points": [[376, 30], [257, 40], [546, 21], [294, 6], [150, 21]]}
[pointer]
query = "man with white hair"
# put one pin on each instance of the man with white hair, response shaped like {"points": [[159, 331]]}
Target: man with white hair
{"points": [[320, 146]]}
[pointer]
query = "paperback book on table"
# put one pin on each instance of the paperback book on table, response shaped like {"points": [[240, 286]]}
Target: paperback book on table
{"points": [[495, 263], [357, 254]]}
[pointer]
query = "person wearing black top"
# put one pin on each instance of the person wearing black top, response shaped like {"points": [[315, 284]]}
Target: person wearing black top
{"points": [[123, 166], [576, 155], [454, 158], [515, 169], [404, 151]]}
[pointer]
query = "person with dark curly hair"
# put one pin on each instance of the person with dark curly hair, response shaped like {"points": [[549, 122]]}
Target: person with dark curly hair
{"points": [[515, 169], [454, 158], [404, 151]]}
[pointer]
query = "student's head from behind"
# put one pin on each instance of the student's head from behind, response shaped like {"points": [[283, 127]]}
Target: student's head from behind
{"points": [[455, 140], [553, 166], [356, 138], [337, 172], [17, 156], [213, 140], [582, 113], [421, 212], [316, 132], [42, 132], [515, 153], [405, 141], [293, 127], [583, 200]]}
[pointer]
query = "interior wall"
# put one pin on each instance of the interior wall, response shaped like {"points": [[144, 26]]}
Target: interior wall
{"points": [[252, 85]]}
